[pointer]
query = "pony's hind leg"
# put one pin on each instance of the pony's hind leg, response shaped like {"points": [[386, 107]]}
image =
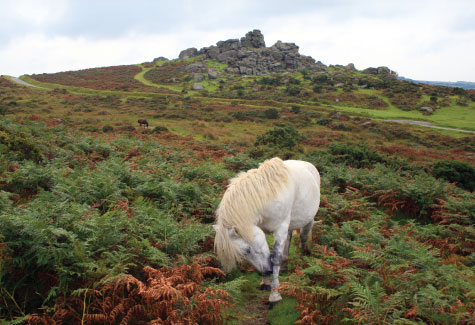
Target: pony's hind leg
{"points": [[305, 235]]}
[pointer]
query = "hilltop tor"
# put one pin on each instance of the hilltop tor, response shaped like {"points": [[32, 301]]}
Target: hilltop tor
{"points": [[250, 56]]}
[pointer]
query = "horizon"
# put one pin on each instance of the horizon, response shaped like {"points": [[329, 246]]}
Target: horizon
{"points": [[422, 40]]}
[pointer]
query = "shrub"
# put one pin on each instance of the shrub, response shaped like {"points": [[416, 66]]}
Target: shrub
{"points": [[354, 155], [282, 137], [293, 90], [107, 128], [18, 146], [317, 89], [240, 162], [272, 81], [295, 109], [324, 122], [271, 113], [456, 171]]}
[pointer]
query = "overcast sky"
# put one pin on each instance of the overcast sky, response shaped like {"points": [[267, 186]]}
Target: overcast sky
{"points": [[425, 40]]}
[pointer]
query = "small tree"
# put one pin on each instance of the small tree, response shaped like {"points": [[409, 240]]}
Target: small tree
{"points": [[271, 113]]}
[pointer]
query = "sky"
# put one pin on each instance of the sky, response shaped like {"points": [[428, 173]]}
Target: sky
{"points": [[419, 39]]}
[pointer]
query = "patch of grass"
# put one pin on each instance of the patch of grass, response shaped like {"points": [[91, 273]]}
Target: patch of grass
{"points": [[284, 312], [216, 65]]}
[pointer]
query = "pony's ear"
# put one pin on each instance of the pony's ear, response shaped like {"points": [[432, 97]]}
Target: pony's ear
{"points": [[215, 227], [233, 232]]}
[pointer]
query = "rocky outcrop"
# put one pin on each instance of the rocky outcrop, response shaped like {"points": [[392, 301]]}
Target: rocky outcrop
{"points": [[160, 58], [381, 71], [188, 53], [249, 55]]}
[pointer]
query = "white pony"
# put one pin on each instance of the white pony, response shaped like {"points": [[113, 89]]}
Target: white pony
{"points": [[278, 197]]}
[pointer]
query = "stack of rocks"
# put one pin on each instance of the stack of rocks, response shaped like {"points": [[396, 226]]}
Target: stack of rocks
{"points": [[250, 56]]}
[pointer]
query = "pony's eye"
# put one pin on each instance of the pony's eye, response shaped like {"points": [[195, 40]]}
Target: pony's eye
{"points": [[247, 251]]}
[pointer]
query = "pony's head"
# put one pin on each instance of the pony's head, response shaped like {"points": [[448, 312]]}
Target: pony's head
{"points": [[231, 248]]}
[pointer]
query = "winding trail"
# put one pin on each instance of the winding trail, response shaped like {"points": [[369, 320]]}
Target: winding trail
{"points": [[426, 124], [24, 83]]}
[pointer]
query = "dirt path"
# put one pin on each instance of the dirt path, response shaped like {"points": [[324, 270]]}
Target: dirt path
{"points": [[24, 83], [426, 124], [258, 311]]}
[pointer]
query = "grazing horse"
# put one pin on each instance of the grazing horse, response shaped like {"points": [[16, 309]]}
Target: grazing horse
{"points": [[143, 122], [278, 197]]}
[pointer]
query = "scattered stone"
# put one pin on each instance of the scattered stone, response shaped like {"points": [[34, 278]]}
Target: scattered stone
{"points": [[195, 67], [383, 71], [198, 77], [427, 109], [339, 85], [367, 124], [197, 86], [212, 74], [160, 58], [350, 66], [188, 53]]}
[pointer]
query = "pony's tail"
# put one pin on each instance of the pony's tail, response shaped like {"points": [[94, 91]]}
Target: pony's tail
{"points": [[228, 253]]}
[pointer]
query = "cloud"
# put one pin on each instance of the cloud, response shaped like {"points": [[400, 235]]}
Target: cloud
{"points": [[419, 39]]}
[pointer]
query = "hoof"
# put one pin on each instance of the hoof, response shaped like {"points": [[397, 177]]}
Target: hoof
{"points": [[275, 296], [265, 287], [272, 305]]}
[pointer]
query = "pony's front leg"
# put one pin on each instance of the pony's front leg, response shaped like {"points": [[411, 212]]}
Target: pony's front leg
{"points": [[265, 283], [280, 238]]}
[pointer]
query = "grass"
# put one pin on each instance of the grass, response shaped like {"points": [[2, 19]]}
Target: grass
{"points": [[216, 65], [284, 313], [462, 118]]}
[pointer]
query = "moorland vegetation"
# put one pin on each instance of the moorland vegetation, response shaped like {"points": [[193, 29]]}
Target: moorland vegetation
{"points": [[102, 222]]}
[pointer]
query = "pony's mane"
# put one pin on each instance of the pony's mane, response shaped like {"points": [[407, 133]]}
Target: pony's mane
{"points": [[240, 207]]}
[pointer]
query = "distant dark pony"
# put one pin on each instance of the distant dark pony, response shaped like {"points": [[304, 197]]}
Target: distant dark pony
{"points": [[143, 122]]}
